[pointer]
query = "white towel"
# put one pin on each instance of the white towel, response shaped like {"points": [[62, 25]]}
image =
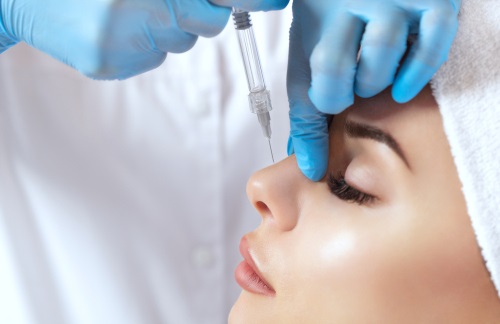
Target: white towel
{"points": [[467, 89]]}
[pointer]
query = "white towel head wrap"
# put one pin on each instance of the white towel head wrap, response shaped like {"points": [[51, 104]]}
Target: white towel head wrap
{"points": [[467, 89]]}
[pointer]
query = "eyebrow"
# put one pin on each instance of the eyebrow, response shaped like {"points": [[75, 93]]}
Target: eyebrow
{"points": [[357, 130]]}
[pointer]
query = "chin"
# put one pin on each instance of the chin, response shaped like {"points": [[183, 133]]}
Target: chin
{"points": [[251, 309], [237, 314], [233, 315]]}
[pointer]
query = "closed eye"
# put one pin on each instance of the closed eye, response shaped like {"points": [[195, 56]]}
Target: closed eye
{"points": [[340, 188]]}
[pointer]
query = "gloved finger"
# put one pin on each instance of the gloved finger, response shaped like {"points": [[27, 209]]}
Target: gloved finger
{"points": [[253, 5], [437, 31], [159, 33], [382, 47], [122, 39], [308, 126], [120, 70], [6, 40], [200, 17], [172, 40], [334, 63]]}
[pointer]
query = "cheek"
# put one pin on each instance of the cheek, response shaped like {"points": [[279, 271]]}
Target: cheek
{"points": [[340, 257], [444, 254], [327, 250], [391, 262], [337, 259]]}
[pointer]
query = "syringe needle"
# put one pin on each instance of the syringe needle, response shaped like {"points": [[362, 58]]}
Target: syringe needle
{"points": [[271, 149]]}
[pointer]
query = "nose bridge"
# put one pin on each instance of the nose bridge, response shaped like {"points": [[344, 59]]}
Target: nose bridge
{"points": [[275, 192]]}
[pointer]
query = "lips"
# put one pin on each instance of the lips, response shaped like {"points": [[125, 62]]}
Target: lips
{"points": [[248, 276]]}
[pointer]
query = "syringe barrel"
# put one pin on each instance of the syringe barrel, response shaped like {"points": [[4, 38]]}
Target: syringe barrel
{"points": [[259, 97], [249, 51]]}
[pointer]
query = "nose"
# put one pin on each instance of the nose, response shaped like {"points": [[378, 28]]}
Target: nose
{"points": [[276, 193]]}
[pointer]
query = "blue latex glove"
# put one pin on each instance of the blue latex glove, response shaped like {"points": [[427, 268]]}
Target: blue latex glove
{"points": [[116, 39], [324, 72]]}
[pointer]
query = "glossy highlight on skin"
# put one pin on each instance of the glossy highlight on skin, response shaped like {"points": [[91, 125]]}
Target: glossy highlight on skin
{"points": [[409, 257]]}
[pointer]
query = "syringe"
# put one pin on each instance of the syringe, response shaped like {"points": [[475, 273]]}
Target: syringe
{"points": [[259, 97]]}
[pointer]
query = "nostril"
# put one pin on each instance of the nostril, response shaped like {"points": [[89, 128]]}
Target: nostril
{"points": [[263, 209]]}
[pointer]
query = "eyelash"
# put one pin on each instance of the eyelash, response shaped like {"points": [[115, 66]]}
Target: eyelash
{"points": [[340, 188]]}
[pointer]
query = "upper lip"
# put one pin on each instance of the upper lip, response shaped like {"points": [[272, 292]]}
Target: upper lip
{"points": [[245, 253]]}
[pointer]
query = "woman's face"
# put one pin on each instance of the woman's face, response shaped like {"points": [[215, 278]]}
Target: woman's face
{"points": [[383, 238]]}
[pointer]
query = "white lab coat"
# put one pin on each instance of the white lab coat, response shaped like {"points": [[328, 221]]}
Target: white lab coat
{"points": [[124, 202]]}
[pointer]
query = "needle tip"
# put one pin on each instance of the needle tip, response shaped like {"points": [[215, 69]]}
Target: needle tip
{"points": [[271, 149]]}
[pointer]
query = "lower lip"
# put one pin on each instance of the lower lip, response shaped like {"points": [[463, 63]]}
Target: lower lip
{"points": [[250, 280]]}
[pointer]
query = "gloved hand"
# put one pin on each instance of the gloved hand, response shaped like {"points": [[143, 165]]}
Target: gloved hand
{"points": [[324, 71], [116, 39]]}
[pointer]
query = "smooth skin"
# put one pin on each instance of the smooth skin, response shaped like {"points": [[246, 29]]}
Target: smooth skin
{"points": [[408, 256]]}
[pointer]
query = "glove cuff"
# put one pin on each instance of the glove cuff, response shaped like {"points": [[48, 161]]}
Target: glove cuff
{"points": [[5, 40]]}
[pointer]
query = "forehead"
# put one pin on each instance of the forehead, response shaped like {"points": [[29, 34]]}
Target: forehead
{"points": [[416, 126], [383, 112]]}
